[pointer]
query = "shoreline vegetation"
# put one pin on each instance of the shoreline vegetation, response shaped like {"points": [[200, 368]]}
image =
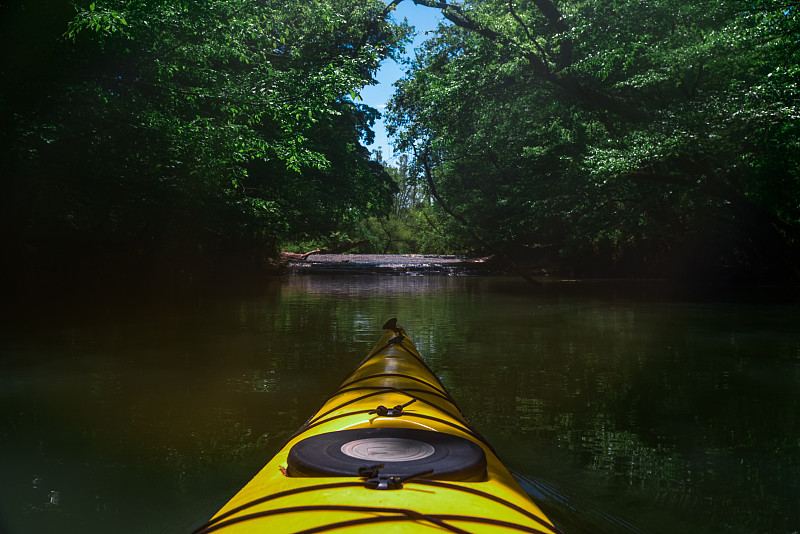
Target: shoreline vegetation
{"points": [[153, 144]]}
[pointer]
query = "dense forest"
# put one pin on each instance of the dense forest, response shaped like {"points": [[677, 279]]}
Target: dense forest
{"points": [[145, 140]]}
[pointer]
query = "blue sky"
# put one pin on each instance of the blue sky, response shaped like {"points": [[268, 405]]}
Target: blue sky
{"points": [[423, 19]]}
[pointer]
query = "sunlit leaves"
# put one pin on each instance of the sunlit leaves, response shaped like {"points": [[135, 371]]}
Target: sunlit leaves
{"points": [[245, 63], [100, 21]]}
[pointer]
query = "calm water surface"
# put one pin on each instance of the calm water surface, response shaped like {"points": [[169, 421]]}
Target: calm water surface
{"points": [[621, 409]]}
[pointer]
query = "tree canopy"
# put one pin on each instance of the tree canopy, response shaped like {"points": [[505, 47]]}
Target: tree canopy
{"points": [[624, 137], [178, 133], [621, 137]]}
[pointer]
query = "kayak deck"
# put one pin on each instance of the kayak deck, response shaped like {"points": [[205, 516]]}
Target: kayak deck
{"points": [[390, 450]]}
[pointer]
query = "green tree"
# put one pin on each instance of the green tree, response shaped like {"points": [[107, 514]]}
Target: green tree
{"points": [[414, 224], [180, 134], [627, 137]]}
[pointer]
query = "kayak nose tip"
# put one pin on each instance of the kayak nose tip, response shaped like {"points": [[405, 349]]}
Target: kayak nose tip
{"points": [[391, 324]]}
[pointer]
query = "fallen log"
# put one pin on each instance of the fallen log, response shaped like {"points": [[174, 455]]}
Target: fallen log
{"points": [[289, 256]]}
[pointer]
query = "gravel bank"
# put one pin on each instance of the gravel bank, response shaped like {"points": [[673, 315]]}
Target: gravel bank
{"points": [[389, 264]]}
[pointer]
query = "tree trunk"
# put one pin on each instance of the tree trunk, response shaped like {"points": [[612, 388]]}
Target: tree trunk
{"points": [[335, 250]]}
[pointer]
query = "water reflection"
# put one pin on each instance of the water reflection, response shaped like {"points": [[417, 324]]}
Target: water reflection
{"points": [[621, 409]]}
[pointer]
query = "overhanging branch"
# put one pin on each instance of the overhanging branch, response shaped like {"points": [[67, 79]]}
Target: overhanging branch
{"points": [[424, 159], [573, 87]]}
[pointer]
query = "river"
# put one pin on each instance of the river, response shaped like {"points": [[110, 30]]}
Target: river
{"points": [[622, 407]]}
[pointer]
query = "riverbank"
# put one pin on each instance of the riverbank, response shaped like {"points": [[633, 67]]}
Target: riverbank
{"points": [[411, 264]]}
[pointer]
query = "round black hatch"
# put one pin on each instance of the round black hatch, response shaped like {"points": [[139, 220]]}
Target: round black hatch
{"points": [[402, 451]]}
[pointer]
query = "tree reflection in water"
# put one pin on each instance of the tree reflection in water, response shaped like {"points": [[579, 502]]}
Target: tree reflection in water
{"points": [[621, 408]]}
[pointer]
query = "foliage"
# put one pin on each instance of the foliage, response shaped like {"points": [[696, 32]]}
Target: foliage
{"points": [[185, 132], [414, 225], [411, 224], [621, 137], [630, 137]]}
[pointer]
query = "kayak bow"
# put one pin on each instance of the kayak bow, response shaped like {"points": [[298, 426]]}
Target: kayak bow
{"points": [[389, 450]]}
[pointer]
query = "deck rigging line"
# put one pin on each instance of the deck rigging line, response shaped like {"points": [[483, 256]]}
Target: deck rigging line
{"points": [[402, 514], [412, 415], [387, 390]]}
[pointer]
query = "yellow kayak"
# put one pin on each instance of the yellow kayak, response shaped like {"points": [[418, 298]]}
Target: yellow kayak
{"points": [[389, 451]]}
